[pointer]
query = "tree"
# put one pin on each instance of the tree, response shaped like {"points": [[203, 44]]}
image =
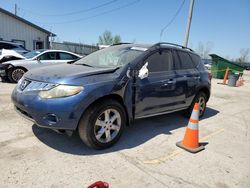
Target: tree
{"points": [[244, 53], [204, 49], [107, 39]]}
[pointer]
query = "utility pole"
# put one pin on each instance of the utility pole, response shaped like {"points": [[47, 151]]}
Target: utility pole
{"points": [[191, 6], [15, 9]]}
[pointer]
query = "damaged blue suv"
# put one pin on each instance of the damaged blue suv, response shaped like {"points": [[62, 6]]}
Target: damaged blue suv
{"points": [[103, 92]]}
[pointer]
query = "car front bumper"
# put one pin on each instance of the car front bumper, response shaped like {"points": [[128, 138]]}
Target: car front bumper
{"points": [[3, 68], [58, 114]]}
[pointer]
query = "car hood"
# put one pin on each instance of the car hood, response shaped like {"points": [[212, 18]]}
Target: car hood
{"points": [[64, 73], [17, 62]]}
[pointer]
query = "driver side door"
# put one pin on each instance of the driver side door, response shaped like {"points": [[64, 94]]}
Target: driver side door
{"points": [[157, 93]]}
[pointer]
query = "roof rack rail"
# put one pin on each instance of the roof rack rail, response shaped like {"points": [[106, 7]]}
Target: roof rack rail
{"points": [[172, 44], [121, 43]]}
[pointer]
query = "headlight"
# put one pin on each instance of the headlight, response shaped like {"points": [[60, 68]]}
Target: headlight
{"points": [[60, 91]]}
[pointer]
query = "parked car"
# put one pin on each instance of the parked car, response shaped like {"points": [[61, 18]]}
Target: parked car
{"points": [[207, 63], [14, 70], [12, 46], [9, 55], [105, 91]]}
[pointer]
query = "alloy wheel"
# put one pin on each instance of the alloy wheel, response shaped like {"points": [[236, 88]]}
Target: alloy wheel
{"points": [[107, 125], [17, 74], [202, 104]]}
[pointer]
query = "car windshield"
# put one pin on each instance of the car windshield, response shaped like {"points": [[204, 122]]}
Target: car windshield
{"points": [[114, 56], [32, 54]]}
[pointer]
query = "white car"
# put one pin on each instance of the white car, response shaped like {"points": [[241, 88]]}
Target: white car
{"points": [[15, 69]]}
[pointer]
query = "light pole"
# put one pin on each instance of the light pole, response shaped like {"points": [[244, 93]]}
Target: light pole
{"points": [[191, 6]]}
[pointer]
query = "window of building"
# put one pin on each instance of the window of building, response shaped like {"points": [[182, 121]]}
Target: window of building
{"points": [[21, 42]]}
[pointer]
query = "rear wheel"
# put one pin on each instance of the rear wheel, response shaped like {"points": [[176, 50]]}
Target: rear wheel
{"points": [[15, 74], [200, 98], [102, 124]]}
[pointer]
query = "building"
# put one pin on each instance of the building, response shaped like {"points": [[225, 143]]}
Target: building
{"points": [[16, 29], [78, 48]]}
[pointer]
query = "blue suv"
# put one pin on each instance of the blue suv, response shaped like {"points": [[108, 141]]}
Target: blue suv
{"points": [[103, 92]]}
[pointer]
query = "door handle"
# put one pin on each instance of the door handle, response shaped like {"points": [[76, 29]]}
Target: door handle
{"points": [[168, 82], [197, 77]]}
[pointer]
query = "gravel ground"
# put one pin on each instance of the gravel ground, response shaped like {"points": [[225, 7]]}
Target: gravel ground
{"points": [[146, 155]]}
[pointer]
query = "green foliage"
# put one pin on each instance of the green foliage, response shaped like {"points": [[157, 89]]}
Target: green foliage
{"points": [[107, 39]]}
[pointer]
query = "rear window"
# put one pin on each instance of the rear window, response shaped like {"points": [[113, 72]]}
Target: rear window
{"points": [[186, 61], [6, 46], [196, 59]]}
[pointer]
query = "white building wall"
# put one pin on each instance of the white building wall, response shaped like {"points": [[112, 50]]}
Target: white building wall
{"points": [[13, 29]]}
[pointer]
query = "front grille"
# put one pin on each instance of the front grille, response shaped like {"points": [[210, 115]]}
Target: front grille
{"points": [[28, 85]]}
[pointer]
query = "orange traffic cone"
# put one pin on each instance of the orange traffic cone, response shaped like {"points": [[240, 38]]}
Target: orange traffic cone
{"points": [[191, 138], [226, 76]]}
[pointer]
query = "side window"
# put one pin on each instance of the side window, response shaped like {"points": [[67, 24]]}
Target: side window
{"points": [[186, 61], [66, 56], [196, 59], [159, 62], [177, 63], [48, 56]]}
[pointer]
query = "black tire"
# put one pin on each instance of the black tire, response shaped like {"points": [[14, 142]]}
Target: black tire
{"points": [[15, 74], [87, 127], [200, 96]]}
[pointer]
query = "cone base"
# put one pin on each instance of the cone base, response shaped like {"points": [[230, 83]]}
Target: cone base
{"points": [[192, 150]]}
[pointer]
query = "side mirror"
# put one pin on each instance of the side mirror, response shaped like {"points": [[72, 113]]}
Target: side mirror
{"points": [[38, 59], [143, 72]]}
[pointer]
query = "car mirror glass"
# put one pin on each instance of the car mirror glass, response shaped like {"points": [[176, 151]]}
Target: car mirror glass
{"points": [[143, 72], [38, 59]]}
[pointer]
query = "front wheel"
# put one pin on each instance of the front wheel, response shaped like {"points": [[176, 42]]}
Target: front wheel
{"points": [[15, 74], [200, 98], [102, 124]]}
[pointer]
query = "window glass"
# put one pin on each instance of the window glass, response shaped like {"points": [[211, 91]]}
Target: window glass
{"points": [[186, 61], [66, 56], [6, 46], [159, 62], [48, 56], [113, 56], [177, 63], [196, 59]]}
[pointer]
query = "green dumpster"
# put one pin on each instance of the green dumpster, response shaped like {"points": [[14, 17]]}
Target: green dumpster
{"points": [[219, 66]]}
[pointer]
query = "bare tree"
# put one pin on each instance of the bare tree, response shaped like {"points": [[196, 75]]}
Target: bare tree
{"points": [[244, 53], [204, 49]]}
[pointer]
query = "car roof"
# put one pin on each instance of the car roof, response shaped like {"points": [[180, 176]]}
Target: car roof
{"points": [[8, 42], [54, 50], [164, 46]]}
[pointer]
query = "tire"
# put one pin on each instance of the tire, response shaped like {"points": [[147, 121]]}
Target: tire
{"points": [[201, 98], [95, 124], [15, 74]]}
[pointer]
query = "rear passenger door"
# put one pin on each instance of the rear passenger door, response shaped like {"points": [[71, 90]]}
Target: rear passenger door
{"points": [[187, 75], [64, 57], [157, 93]]}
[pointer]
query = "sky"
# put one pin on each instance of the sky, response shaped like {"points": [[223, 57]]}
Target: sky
{"points": [[223, 23]]}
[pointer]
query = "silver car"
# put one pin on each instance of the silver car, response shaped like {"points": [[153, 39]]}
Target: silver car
{"points": [[12, 46], [14, 70]]}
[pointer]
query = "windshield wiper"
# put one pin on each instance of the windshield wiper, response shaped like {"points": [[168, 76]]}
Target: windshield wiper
{"points": [[84, 64]]}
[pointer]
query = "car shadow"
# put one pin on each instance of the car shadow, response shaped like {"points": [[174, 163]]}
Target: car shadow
{"points": [[140, 132]]}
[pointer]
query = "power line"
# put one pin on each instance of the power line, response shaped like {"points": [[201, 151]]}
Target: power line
{"points": [[72, 13], [172, 20], [94, 16]]}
